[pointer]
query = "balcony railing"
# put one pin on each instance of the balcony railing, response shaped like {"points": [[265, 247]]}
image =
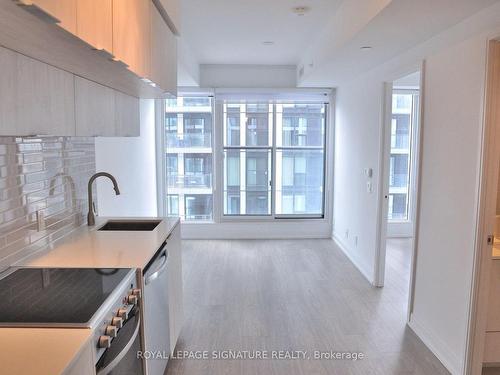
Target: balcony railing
{"points": [[398, 180], [188, 140], [400, 141], [195, 180]]}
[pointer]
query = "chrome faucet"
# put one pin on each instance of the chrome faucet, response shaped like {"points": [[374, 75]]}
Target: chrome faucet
{"points": [[91, 214]]}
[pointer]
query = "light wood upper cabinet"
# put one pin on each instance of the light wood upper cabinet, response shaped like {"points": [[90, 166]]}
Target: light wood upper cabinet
{"points": [[163, 53], [63, 10], [127, 119], [95, 109], [45, 99], [131, 34], [95, 23]]}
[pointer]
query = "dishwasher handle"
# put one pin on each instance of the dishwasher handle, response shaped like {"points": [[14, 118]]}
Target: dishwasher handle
{"points": [[160, 270]]}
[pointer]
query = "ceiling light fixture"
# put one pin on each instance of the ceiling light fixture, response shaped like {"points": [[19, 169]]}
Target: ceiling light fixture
{"points": [[365, 48], [268, 43], [300, 11]]}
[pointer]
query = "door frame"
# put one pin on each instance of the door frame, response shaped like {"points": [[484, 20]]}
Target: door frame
{"points": [[384, 165], [487, 199]]}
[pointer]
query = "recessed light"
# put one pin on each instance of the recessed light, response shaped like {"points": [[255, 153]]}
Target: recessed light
{"points": [[300, 11], [366, 48], [268, 43]]}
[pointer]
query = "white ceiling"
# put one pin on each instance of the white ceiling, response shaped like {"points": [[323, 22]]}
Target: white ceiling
{"points": [[325, 42], [232, 31], [391, 30]]}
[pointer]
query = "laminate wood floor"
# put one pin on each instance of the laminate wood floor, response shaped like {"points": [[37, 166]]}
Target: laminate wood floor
{"points": [[295, 295]]}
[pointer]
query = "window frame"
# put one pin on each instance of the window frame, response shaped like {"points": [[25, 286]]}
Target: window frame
{"points": [[163, 190], [219, 219], [219, 130]]}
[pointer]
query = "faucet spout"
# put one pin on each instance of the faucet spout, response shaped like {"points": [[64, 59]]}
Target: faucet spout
{"points": [[91, 214]]}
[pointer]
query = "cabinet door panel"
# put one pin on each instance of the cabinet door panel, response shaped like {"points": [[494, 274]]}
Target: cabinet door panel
{"points": [[95, 23], [131, 34], [83, 364], [163, 53], [8, 92], [45, 99], [175, 291], [63, 10], [127, 115], [95, 109]]}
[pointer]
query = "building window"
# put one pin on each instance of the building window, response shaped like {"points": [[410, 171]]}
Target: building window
{"points": [[404, 116], [188, 141], [291, 157]]}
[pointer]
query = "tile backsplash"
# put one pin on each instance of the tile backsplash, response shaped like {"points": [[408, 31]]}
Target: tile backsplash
{"points": [[41, 176]]}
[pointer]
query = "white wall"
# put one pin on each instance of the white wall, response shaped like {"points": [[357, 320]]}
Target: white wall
{"points": [[357, 134], [133, 163], [452, 125]]}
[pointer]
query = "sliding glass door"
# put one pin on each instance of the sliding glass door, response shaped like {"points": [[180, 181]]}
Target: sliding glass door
{"points": [[274, 159], [237, 159]]}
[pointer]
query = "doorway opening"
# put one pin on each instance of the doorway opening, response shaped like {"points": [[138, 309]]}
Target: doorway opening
{"points": [[400, 168]]}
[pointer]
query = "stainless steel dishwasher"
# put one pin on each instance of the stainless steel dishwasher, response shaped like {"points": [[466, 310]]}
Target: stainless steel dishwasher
{"points": [[156, 316]]}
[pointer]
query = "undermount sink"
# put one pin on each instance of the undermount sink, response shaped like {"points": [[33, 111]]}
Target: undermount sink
{"points": [[130, 225]]}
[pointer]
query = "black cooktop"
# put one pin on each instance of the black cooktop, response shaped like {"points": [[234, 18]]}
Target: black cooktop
{"points": [[45, 296]]}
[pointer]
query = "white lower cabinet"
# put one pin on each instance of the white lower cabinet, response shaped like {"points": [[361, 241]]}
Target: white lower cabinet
{"points": [[176, 307], [83, 364], [163, 303]]}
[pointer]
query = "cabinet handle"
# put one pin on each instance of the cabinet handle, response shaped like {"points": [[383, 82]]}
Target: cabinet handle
{"points": [[39, 12]]}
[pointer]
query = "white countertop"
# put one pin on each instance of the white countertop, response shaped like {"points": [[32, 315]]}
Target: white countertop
{"points": [[41, 351], [86, 247], [47, 351]]}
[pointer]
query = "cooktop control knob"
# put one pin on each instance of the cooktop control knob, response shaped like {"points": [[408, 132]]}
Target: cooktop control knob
{"points": [[111, 331], [122, 313], [104, 341], [131, 299], [136, 292], [117, 322]]}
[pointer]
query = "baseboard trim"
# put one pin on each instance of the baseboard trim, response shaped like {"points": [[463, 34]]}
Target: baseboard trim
{"points": [[353, 260], [437, 347]]}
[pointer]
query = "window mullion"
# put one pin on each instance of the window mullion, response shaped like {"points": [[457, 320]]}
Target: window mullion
{"points": [[273, 165]]}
